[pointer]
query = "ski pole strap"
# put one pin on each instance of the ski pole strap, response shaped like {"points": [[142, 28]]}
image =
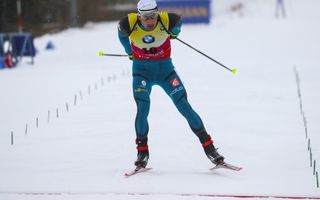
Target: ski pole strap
{"points": [[142, 148]]}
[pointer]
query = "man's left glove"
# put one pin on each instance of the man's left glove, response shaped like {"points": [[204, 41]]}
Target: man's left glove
{"points": [[130, 56]]}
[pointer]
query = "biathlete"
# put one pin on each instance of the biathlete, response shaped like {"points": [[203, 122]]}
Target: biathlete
{"points": [[145, 37]]}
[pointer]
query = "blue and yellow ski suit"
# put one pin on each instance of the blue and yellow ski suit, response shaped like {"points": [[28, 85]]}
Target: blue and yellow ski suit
{"points": [[152, 65]]}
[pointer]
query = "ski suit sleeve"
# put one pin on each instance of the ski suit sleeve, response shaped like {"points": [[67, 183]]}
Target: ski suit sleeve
{"points": [[175, 24], [123, 34]]}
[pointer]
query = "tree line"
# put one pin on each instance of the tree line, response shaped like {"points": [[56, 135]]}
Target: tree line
{"points": [[43, 16]]}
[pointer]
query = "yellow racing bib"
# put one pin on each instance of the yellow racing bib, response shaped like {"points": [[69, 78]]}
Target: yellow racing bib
{"points": [[150, 45]]}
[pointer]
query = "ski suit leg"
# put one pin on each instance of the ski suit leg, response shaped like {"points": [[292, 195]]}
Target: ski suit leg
{"points": [[141, 93], [174, 87]]}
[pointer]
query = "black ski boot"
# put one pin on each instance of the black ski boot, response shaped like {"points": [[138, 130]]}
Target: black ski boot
{"points": [[143, 152], [208, 146], [213, 155], [212, 152]]}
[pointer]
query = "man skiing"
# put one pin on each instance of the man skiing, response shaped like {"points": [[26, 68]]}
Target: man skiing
{"points": [[145, 37]]}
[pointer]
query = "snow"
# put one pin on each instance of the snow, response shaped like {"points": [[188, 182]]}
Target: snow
{"points": [[253, 116]]}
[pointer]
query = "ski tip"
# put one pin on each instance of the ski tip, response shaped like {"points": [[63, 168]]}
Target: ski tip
{"points": [[234, 71], [237, 169], [137, 170], [128, 174], [226, 166]]}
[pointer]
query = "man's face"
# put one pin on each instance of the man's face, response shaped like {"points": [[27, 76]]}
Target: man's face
{"points": [[149, 20]]}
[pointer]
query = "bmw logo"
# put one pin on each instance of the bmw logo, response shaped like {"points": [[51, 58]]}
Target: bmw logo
{"points": [[148, 39]]}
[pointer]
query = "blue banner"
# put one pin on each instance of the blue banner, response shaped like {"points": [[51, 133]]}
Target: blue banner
{"points": [[192, 11]]}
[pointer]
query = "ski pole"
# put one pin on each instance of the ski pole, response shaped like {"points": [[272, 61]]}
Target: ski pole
{"points": [[101, 53], [222, 65]]}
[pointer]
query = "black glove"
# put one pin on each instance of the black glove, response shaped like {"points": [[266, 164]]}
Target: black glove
{"points": [[130, 56]]}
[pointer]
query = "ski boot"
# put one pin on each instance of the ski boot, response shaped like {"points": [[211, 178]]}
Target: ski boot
{"points": [[212, 152], [143, 153]]}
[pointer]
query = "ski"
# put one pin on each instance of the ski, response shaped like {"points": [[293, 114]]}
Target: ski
{"points": [[226, 166], [136, 171]]}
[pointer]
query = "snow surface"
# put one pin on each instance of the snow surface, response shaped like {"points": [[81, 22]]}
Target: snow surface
{"points": [[253, 116]]}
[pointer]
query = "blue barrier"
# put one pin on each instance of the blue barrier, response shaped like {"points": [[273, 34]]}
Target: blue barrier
{"points": [[192, 11], [22, 45]]}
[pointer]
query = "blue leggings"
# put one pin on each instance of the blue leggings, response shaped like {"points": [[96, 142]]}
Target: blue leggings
{"points": [[162, 73]]}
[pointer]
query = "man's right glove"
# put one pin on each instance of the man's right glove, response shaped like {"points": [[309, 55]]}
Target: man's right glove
{"points": [[130, 56]]}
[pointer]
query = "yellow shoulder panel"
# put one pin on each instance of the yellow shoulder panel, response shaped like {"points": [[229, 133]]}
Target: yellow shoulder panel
{"points": [[132, 17], [165, 19]]}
